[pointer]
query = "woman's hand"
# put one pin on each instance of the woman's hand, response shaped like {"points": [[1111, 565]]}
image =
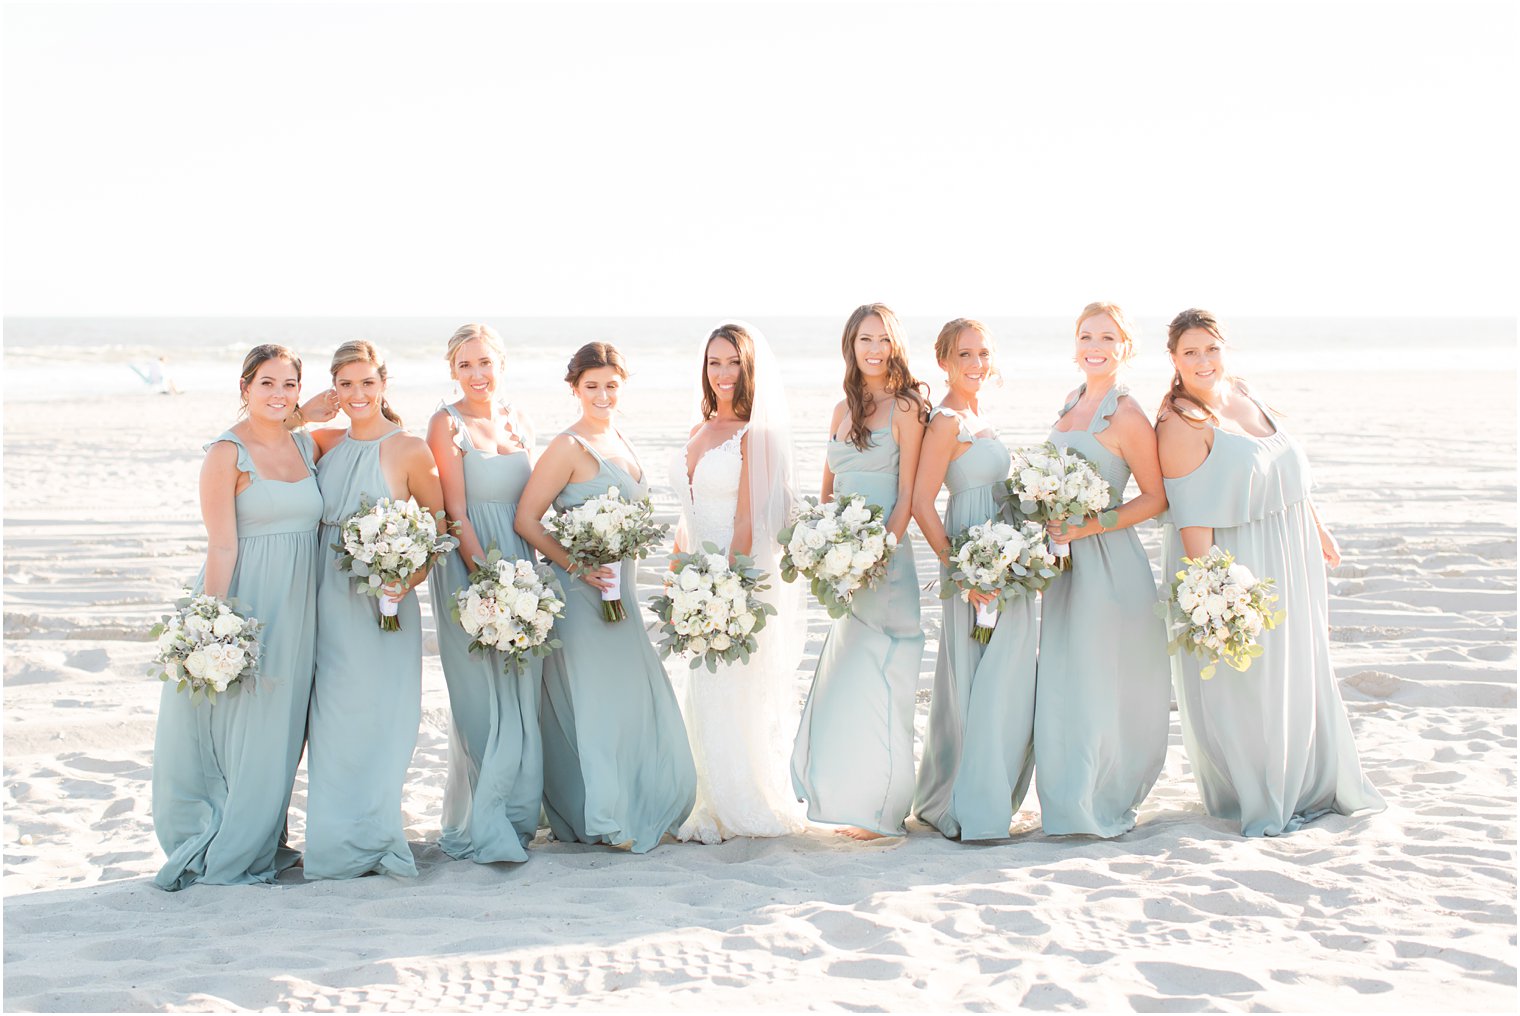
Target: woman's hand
{"points": [[1329, 548], [320, 407], [598, 578], [1054, 531], [396, 590], [979, 599]]}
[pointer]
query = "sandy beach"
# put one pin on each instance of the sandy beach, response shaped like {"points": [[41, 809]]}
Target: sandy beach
{"points": [[1410, 909]]}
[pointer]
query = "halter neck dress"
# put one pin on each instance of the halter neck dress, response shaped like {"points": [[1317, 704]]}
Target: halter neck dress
{"points": [[853, 758], [1103, 701], [366, 701], [617, 768], [223, 770], [495, 785], [1271, 748], [978, 745]]}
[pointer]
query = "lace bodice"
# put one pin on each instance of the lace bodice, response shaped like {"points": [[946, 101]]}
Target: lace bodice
{"points": [[709, 501]]}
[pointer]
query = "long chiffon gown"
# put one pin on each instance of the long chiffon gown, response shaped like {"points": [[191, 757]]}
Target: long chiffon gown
{"points": [[1271, 748], [617, 768], [496, 756], [853, 758], [223, 770], [1102, 703], [366, 701], [978, 746]]}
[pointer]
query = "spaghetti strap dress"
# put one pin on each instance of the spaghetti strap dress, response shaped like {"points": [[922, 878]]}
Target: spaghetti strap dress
{"points": [[223, 770], [1103, 701], [495, 786], [617, 765], [366, 701], [1271, 748], [852, 761], [978, 745]]}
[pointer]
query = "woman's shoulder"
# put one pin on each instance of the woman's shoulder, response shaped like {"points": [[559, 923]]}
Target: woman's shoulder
{"points": [[327, 437]]}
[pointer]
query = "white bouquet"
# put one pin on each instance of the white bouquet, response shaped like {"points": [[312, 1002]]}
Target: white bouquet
{"points": [[510, 606], [607, 530], [841, 546], [1051, 484], [711, 610], [206, 645], [1003, 558], [388, 541], [1217, 610]]}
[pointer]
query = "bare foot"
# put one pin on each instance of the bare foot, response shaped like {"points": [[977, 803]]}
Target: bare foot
{"points": [[864, 835]]}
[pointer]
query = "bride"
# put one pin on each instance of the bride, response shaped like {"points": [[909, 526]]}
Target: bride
{"points": [[735, 485]]}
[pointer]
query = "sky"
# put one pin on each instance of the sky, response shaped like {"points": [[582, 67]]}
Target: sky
{"points": [[1296, 159]]}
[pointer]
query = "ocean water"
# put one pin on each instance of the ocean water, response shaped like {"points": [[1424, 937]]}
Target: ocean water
{"points": [[49, 359]]}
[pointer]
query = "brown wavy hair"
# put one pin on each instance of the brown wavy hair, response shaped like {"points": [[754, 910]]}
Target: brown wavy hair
{"points": [[744, 390], [256, 358], [359, 351], [591, 356], [1177, 399], [904, 388]]}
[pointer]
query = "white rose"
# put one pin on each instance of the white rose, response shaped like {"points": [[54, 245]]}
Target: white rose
{"points": [[721, 642], [225, 625], [196, 663], [698, 645], [197, 627], [863, 560], [837, 560], [1215, 605], [525, 606], [1200, 616], [856, 514]]}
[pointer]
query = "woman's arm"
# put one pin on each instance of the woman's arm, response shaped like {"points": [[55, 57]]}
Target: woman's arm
{"points": [[826, 488], [450, 461], [1137, 446], [1182, 447], [422, 485], [933, 461], [555, 468], [219, 479], [908, 430], [1327, 543]]}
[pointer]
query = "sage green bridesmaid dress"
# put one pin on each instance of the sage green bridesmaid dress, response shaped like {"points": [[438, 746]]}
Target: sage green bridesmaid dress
{"points": [[366, 700], [978, 753], [1103, 700], [223, 771], [617, 765], [496, 757], [1271, 748], [853, 758]]}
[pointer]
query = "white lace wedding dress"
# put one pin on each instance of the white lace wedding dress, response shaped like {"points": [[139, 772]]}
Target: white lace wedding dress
{"points": [[738, 719]]}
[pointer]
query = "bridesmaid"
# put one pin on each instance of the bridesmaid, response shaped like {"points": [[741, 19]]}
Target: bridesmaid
{"points": [[617, 767], [978, 753], [483, 449], [366, 697], [853, 759], [1271, 748], [223, 771], [1102, 702]]}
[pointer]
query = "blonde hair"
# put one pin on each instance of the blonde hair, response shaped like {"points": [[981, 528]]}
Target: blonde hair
{"points": [[359, 351], [1114, 311], [465, 333], [950, 335]]}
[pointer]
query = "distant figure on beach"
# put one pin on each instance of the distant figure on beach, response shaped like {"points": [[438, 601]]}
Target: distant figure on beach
{"points": [[157, 377]]}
